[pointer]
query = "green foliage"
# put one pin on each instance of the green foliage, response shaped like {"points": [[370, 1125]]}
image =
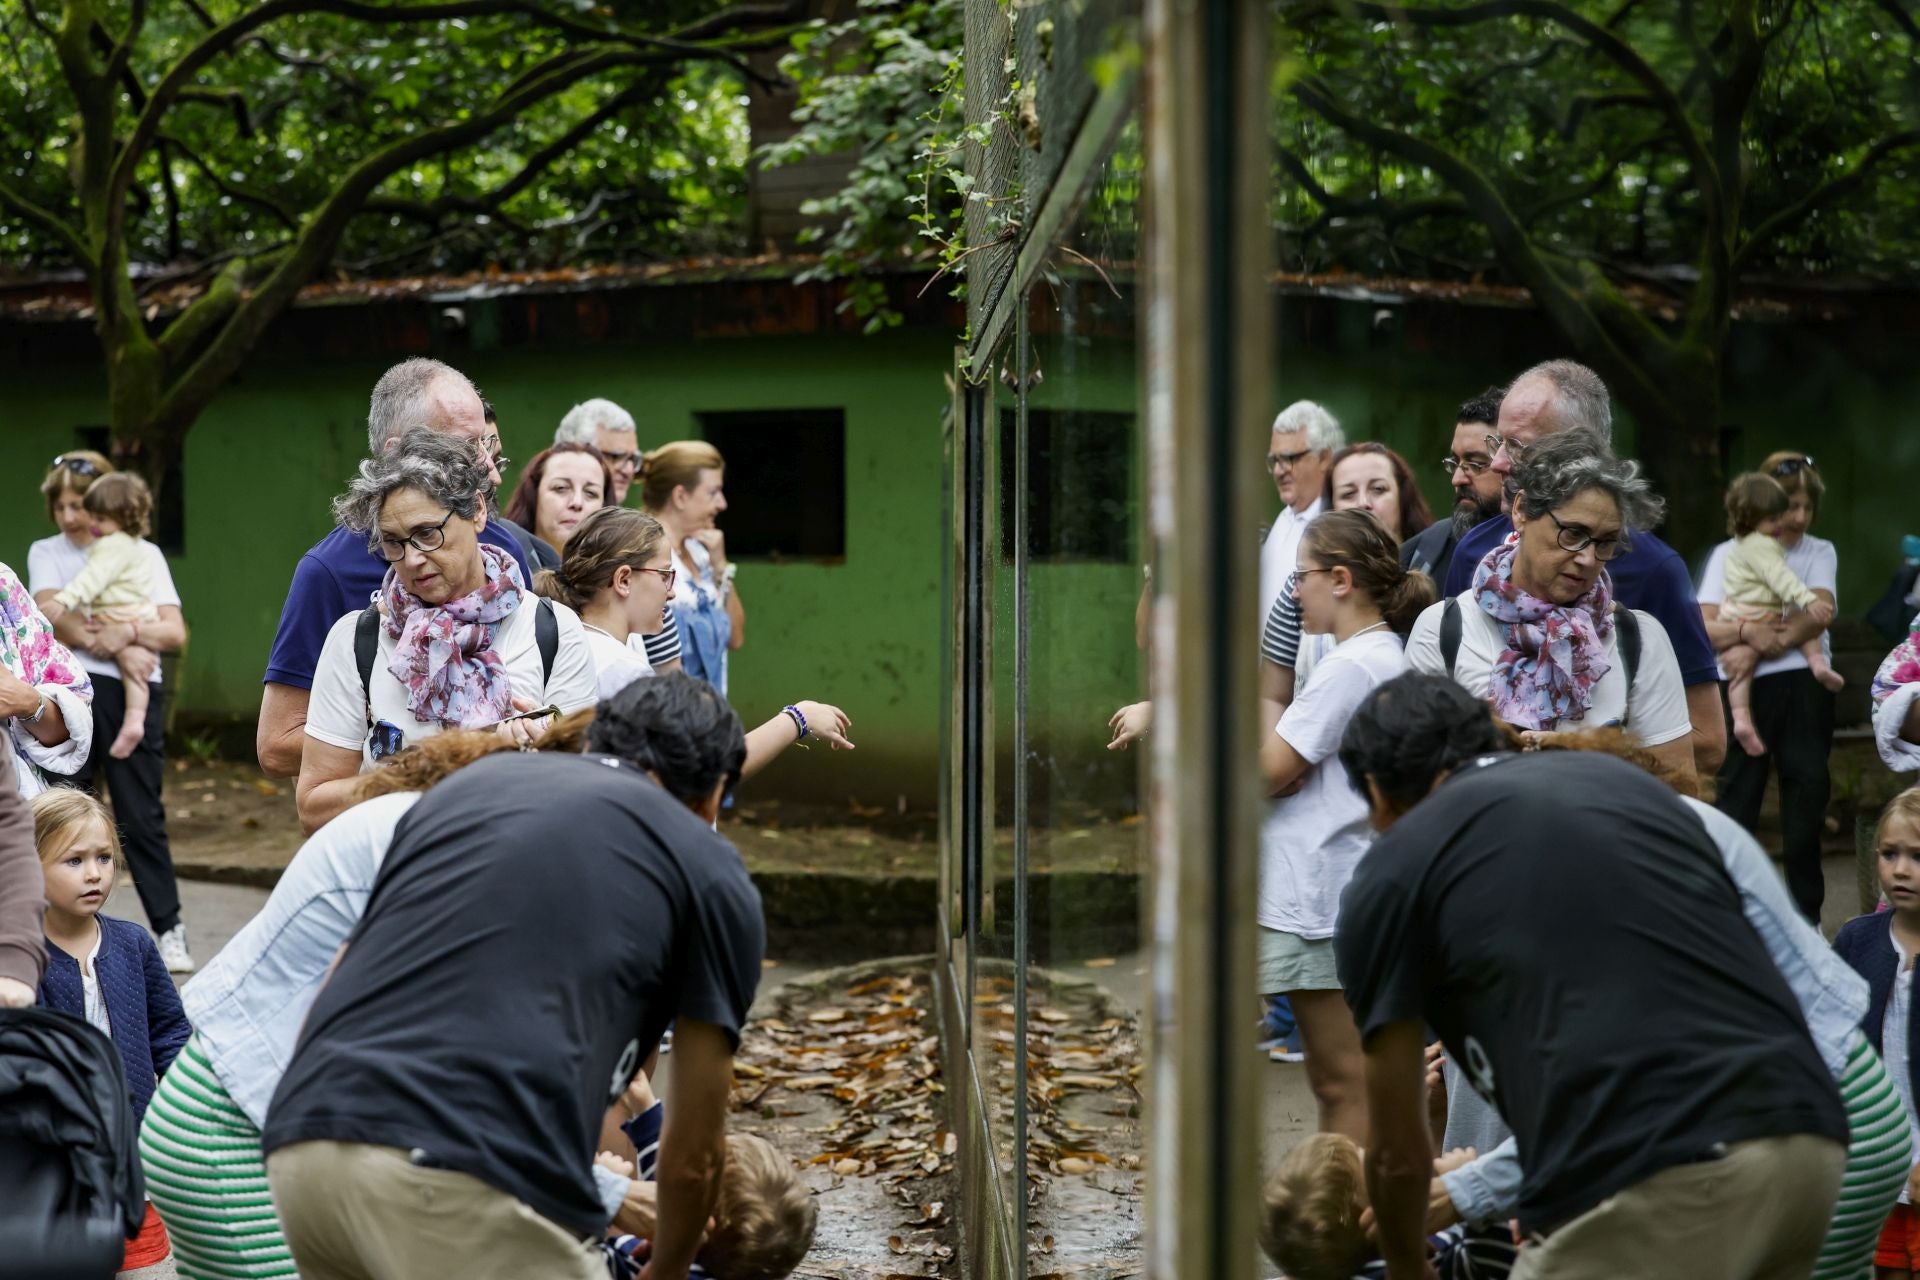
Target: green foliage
{"points": [[885, 89], [272, 128]]}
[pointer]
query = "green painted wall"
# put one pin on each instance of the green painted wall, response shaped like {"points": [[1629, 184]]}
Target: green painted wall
{"points": [[262, 463]]}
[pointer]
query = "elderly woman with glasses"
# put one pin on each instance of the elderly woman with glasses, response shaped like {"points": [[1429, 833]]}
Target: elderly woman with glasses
{"points": [[456, 639], [1538, 634]]}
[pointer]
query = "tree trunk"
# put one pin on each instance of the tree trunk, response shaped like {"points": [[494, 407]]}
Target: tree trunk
{"points": [[1679, 441]]}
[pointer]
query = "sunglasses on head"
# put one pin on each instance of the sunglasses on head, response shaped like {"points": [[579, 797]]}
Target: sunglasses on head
{"points": [[79, 466], [1793, 466]]}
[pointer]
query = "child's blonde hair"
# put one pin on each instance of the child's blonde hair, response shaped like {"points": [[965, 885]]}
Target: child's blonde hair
{"points": [[58, 812], [1905, 806], [1310, 1225], [763, 1225]]}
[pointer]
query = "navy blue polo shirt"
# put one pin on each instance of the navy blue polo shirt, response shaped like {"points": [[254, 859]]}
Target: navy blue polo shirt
{"points": [[336, 577], [1649, 575]]}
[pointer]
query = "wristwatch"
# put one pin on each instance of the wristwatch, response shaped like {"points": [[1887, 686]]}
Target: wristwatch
{"points": [[38, 711]]}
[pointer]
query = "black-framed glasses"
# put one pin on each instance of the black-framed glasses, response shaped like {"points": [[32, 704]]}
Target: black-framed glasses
{"points": [[1573, 537], [621, 458], [1794, 466], [79, 466], [1474, 466], [667, 576], [426, 538], [1276, 460]]}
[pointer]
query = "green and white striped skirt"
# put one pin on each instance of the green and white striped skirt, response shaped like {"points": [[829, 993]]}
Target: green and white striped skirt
{"points": [[1879, 1157], [207, 1177]]}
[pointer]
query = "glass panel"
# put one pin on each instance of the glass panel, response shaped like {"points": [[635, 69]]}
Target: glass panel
{"points": [[1083, 535]]}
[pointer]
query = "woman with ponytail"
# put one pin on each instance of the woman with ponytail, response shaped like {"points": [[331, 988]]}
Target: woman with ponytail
{"points": [[618, 574], [1351, 588]]}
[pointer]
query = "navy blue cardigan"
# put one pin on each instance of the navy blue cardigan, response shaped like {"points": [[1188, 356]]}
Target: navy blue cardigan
{"points": [[149, 1026], [1866, 943]]}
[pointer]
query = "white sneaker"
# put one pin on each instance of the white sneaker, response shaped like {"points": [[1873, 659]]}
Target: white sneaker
{"points": [[173, 950]]}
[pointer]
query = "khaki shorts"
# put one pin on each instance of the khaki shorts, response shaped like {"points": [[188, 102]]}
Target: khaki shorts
{"points": [[1289, 962]]}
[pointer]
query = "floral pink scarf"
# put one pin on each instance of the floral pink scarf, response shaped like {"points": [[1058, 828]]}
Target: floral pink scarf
{"points": [[1902, 666], [445, 656], [1554, 654]]}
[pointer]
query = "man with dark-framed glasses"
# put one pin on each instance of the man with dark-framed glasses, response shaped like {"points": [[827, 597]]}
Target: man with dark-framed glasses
{"points": [[1477, 489], [338, 574]]}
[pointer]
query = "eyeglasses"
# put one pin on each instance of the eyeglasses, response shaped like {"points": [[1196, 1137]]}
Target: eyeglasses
{"points": [[1302, 573], [1793, 466], [1573, 537], [666, 575], [1277, 460], [623, 458], [1516, 451], [487, 449], [429, 538], [1474, 466], [79, 466]]}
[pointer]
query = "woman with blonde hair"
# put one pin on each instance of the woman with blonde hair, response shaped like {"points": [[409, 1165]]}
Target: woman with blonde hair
{"points": [[617, 574], [683, 487]]}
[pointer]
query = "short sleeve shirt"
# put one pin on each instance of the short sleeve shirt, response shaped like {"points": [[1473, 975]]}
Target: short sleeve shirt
{"points": [[504, 984], [54, 562], [1573, 936], [1654, 711], [340, 575], [1649, 576], [337, 708], [1813, 560], [1312, 838], [615, 665]]}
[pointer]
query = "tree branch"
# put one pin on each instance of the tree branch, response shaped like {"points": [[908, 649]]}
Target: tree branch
{"points": [[232, 189], [49, 222], [1901, 18], [195, 324], [1390, 213], [122, 54], [321, 233], [1825, 193]]}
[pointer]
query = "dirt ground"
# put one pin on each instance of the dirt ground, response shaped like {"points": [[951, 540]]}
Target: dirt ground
{"points": [[227, 822]]}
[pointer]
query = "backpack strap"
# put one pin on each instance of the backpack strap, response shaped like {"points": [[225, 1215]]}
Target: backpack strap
{"points": [[366, 647], [546, 634], [1450, 633], [1628, 625]]}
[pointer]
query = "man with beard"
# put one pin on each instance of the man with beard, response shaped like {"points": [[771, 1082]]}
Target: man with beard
{"points": [[1476, 487]]}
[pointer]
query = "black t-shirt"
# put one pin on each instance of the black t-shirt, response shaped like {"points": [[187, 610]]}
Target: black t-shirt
{"points": [[538, 922], [1568, 928]]}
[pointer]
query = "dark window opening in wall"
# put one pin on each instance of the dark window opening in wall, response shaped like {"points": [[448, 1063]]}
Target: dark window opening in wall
{"points": [[169, 530], [1079, 484], [786, 481]]}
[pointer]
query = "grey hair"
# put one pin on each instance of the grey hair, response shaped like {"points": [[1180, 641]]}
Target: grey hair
{"points": [[403, 398], [1322, 428], [1569, 463], [1580, 398], [445, 467], [588, 417]]}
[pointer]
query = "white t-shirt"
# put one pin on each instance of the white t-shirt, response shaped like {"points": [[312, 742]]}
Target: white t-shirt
{"points": [[93, 1002], [54, 562], [616, 665], [1281, 552], [1655, 712], [337, 709], [1312, 839], [1812, 560]]}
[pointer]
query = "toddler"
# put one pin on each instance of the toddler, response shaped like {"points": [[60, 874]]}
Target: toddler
{"points": [[116, 585], [763, 1223], [104, 970], [1760, 587], [1310, 1224], [1881, 946]]}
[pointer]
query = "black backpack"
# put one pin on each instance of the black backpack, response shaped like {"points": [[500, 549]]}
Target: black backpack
{"points": [[366, 646], [1627, 622]]}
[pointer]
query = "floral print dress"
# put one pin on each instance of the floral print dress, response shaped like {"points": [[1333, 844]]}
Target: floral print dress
{"points": [[30, 652]]}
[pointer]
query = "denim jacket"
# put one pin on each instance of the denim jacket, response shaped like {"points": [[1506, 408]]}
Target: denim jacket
{"points": [[248, 1004], [1832, 997]]}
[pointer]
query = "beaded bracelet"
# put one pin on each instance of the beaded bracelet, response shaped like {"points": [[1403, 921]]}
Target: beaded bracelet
{"points": [[799, 722]]}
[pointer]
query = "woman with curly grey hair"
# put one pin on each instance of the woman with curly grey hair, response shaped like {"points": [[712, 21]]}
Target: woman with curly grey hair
{"points": [[454, 640], [1538, 633]]}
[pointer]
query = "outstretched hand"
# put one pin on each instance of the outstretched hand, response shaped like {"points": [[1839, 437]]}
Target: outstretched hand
{"points": [[1130, 723], [828, 723]]}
